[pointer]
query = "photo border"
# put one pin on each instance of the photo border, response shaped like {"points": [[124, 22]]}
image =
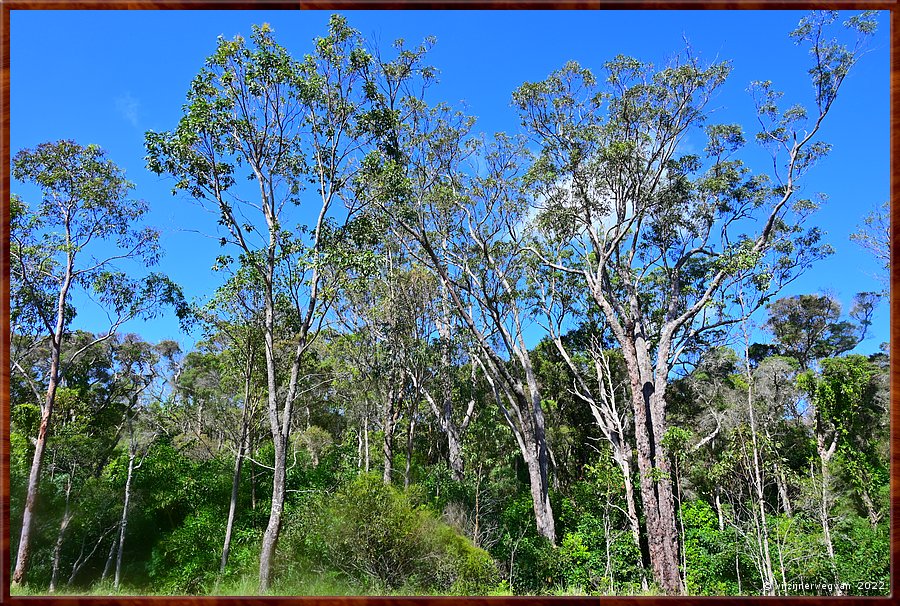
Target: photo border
{"points": [[893, 6]]}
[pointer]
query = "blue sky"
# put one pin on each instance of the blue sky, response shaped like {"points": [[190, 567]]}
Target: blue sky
{"points": [[106, 77]]}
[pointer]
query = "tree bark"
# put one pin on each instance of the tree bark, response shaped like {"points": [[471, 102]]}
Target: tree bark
{"points": [[532, 441], [388, 452], [873, 514], [40, 444], [60, 537], [390, 418], [387, 448], [783, 495], [124, 522], [540, 496], [110, 557], [273, 528], [655, 481], [824, 458], [454, 457], [410, 434], [280, 426], [252, 473], [236, 476], [719, 513]]}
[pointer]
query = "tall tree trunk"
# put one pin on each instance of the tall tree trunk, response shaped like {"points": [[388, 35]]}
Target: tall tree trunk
{"points": [[655, 482], [389, 424], [540, 494], [444, 413], [451, 429], [60, 537], [40, 444], [110, 557], [388, 450], [124, 522], [532, 441], [366, 442], [454, 457], [280, 425], [783, 496], [252, 473], [200, 420], [758, 482], [719, 512], [410, 434], [824, 458], [236, 476], [273, 528]]}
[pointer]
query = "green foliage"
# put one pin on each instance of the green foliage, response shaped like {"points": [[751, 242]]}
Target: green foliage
{"points": [[182, 562], [373, 535], [862, 557], [710, 552], [808, 327]]}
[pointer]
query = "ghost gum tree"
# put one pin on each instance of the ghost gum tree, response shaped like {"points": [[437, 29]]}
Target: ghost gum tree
{"points": [[292, 128], [419, 151], [84, 225], [659, 237], [462, 223]]}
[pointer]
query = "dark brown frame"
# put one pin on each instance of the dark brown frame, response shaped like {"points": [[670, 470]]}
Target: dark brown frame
{"points": [[7, 5]]}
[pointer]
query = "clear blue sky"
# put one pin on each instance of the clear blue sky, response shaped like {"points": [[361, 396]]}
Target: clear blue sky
{"points": [[106, 77]]}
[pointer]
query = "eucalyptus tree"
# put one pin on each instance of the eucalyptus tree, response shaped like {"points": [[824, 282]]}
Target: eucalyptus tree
{"points": [[293, 128], [659, 237], [464, 229], [234, 317], [387, 308], [72, 240], [137, 370], [597, 373], [462, 226], [88, 424], [444, 389], [450, 377]]}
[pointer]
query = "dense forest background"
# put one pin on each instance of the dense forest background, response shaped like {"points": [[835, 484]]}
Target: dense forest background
{"points": [[558, 361]]}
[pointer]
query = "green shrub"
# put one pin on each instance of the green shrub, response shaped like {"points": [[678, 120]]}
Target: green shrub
{"points": [[375, 537], [863, 557], [185, 560]]}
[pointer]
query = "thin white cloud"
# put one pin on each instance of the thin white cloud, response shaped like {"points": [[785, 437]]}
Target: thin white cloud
{"points": [[128, 108]]}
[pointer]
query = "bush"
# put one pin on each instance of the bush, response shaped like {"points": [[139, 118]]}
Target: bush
{"points": [[374, 536], [863, 557], [185, 560]]}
